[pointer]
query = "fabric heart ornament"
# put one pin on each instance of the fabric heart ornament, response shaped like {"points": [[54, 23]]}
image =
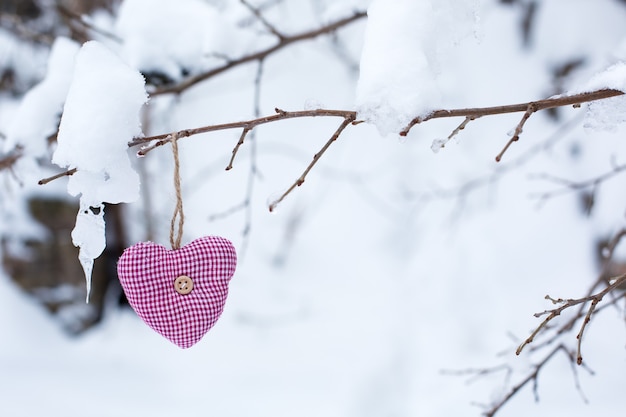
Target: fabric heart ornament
{"points": [[178, 293]]}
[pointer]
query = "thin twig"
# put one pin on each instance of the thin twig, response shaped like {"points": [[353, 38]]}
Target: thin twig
{"points": [[67, 173], [257, 13], [568, 303], [80, 19], [282, 43], [10, 158], [575, 186], [531, 377], [476, 373], [579, 336], [439, 144], [574, 369], [518, 130], [347, 121], [569, 324], [244, 132], [557, 332], [228, 212], [252, 173], [461, 191]]}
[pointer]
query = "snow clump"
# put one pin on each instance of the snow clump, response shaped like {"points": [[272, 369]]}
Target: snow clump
{"points": [[37, 116], [100, 116], [607, 114], [401, 61]]}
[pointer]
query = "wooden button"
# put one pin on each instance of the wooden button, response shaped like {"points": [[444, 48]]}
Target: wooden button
{"points": [[183, 284]]}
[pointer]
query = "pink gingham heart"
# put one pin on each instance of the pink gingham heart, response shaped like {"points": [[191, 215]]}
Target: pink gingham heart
{"points": [[182, 311]]}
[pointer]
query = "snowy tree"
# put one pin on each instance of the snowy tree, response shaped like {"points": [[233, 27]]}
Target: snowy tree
{"points": [[403, 181]]}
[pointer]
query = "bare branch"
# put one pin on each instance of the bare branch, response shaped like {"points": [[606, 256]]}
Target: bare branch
{"points": [[476, 373], [9, 159], [257, 13], [568, 303], [249, 124], [579, 336], [347, 121], [575, 186], [439, 144], [253, 170], [518, 130], [283, 42], [244, 132], [83, 21], [67, 173], [229, 212], [557, 332], [530, 378], [549, 103], [608, 250]]}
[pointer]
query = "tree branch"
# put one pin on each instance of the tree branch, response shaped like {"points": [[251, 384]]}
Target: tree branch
{"points": [[528, 108], [531, 377], [518, 130], [9, 159], [259, 16], [242, 138], [245, 124], [347, 121], [469, 114], [83, 21], [284, 41], [549, 103], [441, 143], [67, 173], [575, 186], [568, 303]]}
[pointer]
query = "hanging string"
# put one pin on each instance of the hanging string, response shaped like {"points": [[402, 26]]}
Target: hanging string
{"points": [[178, 211]]}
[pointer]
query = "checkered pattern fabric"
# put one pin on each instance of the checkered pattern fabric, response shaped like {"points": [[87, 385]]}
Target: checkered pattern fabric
{"points": [[147, 272]]}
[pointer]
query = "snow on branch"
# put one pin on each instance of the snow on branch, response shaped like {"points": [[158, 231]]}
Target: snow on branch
{"points": [[528, 108], [150, 143], [549, 103]]}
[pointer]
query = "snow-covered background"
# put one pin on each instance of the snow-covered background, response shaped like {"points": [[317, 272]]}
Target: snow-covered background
{"points": [[389, 265]]}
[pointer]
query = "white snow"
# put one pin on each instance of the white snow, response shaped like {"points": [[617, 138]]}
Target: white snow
{"points": [[614, 78], [38, 114], [438, 144], [400, 62], [608, 114], [175, 37], [375, 274], [100, 116]]}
